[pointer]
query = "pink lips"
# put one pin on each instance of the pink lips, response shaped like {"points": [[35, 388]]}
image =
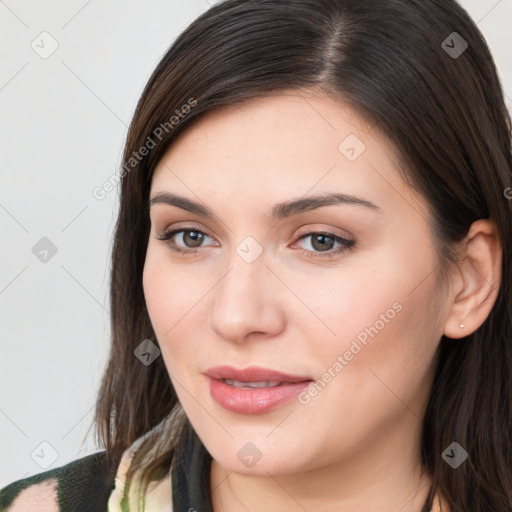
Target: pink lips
{"points": [[256, 400]]}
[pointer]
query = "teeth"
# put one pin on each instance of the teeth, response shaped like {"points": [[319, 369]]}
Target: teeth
{"points": [[261, 384]]}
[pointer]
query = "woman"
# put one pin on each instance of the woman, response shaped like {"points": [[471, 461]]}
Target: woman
{"points": [[311, 275]]}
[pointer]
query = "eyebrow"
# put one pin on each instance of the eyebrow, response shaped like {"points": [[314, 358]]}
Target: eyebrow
{"points": [[279, 210]]}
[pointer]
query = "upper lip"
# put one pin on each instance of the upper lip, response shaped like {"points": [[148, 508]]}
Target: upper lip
{"points": [[253, 374]]}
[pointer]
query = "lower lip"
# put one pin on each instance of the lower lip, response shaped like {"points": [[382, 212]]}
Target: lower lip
{"points": [[255, 400]]}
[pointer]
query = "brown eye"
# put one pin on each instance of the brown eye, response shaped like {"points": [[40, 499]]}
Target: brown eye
{"points": [[192, 238], [322, 242], [325, 242], [188, 239]]}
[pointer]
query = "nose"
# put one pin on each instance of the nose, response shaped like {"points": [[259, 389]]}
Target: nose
{"points": [[247, 302]]}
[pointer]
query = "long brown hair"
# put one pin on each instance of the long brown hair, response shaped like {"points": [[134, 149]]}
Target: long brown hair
{"points": [[421, 72]]}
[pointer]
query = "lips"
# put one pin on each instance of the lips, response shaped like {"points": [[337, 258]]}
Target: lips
{"points": [[254, 374], [236, 390]]}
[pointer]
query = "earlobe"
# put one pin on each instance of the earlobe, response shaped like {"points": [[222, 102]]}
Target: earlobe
{"points": [[477, 280]]}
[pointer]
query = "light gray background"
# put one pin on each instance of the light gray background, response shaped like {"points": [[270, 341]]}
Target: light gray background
{"points": [[63, 124]]}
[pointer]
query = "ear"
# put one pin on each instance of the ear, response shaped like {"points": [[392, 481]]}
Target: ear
{"points": [[476, 280]]}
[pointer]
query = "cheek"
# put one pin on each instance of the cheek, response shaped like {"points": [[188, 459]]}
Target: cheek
{"points": [[386, 321], [156, 294], [359, 305], [166, 294], [173, 300], [387, 355]]}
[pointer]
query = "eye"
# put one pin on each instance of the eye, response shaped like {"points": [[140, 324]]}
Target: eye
{"points": [[194, 237], [322, 243]]}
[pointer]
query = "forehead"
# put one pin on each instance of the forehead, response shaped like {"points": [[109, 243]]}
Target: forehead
{"points": [[279, 127], [282, 144]]}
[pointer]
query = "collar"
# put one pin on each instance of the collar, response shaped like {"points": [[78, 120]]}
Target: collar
{"points": [[186, 487]]}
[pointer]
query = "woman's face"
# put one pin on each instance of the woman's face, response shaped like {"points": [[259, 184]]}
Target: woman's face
{"points": [[361, 318]]}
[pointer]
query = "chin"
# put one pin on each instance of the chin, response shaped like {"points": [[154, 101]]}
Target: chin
{"points": [[258, 458]]}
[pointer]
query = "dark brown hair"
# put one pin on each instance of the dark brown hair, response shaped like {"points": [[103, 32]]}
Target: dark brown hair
{"points": [[394, 63]]}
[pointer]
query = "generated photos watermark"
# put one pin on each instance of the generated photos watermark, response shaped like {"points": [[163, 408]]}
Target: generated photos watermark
{"points": [[343, 360], [100, 192]]}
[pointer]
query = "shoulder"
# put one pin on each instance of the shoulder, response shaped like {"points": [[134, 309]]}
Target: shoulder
{"points": [[82, 484], [40, 496]]}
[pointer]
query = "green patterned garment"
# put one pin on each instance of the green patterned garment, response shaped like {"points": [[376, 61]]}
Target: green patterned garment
{"points": [[94, 484], [84, 484]]}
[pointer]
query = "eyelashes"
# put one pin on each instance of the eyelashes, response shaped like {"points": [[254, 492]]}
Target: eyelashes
{"points": [[168, 235], [344, 244]]}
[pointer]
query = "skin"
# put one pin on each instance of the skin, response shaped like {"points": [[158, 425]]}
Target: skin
{"points": [[354, 446]]}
